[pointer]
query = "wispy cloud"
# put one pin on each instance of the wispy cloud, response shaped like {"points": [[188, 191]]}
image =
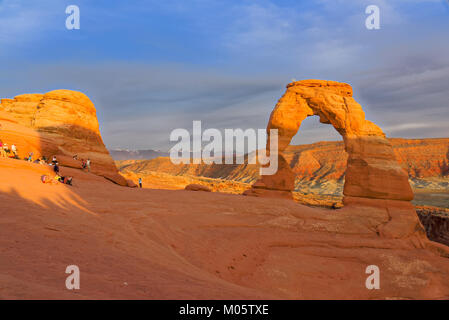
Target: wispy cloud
{"points": [[151, 66]]}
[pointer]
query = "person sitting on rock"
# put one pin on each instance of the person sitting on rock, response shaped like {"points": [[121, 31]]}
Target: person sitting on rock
{"points": [[69, 181], [5, 148], [44, 178], [2, 151]]}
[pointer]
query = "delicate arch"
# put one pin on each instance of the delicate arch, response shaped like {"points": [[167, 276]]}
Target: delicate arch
{"points": [[372, 169]]}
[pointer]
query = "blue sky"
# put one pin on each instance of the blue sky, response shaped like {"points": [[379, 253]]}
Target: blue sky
{"points": [[153, 66]]}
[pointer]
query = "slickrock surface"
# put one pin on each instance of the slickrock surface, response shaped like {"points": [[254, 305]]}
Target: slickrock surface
{"points": [[61, 123], [162, 244], [197, 187]]}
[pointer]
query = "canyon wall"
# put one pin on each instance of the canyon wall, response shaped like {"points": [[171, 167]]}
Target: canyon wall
{"points": [[317, 162]]}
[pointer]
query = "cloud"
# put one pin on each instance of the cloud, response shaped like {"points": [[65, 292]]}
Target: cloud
{"points": [[227, 63], [139, 104]]}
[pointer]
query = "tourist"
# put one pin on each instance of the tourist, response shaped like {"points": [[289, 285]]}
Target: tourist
{"points": [[54, 161], [14, 150], [140, 182], [64, 180], [88, 164], [30, 157], [2, 151], [56, 168]]}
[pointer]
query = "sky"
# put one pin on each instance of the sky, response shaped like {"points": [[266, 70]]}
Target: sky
{"points": [[154, 66]]}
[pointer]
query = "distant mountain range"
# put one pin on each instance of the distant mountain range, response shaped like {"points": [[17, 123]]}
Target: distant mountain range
{"points": [[119, 154], [421, 158], [319, 167]]}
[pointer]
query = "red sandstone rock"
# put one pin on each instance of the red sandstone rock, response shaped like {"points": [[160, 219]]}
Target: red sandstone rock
{"points": [[131, 183], [168, 244], [372, 169], [61, 123], [197, 187]]}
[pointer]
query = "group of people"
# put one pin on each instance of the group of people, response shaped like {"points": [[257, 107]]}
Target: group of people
{"points": [[8, 152], [57, 179], [11, 152], [67, 180], [85, 164]]}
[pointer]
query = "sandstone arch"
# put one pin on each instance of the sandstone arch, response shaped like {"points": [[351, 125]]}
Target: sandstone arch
{"points": [[375, 183], [372, 170]]}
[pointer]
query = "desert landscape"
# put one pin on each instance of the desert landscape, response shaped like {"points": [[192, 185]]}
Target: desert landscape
{"points": [[319, 169], [222, 231]]}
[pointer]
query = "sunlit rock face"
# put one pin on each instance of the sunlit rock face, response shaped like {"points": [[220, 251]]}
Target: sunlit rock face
{"points": [[374, 177], [372, 168], [61, 123]]}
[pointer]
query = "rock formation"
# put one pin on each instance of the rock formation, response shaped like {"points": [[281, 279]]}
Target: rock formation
{"points": [[313, 164], [436, 223], [374, 177], [197, 187], [59, 123]]}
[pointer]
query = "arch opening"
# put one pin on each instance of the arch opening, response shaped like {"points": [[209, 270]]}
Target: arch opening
{"points": [[318, 160]]}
